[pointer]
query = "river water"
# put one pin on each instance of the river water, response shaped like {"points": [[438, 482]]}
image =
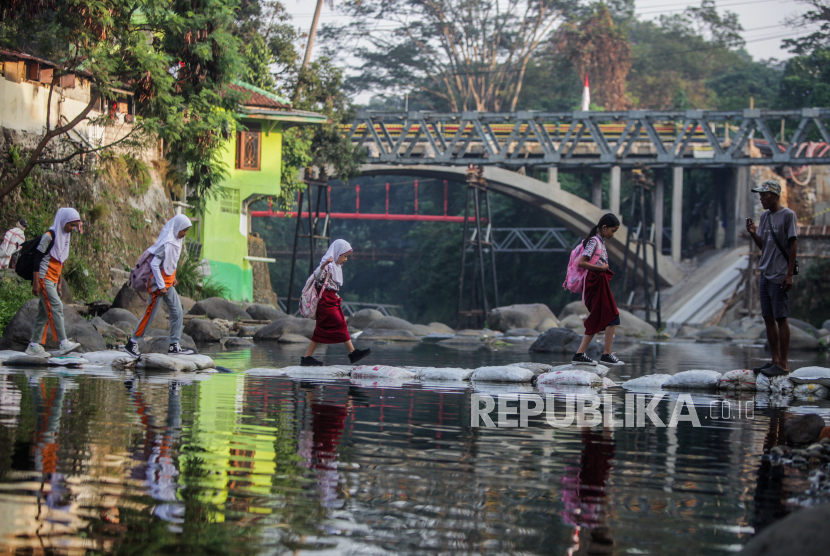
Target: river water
{"points": [[118, 463]]}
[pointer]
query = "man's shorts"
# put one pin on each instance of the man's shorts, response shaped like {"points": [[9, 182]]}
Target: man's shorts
{"points": [[775, 302]]}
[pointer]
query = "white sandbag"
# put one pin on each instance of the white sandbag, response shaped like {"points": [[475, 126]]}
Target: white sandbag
{"points": [[316, 372], [161, 362], [606, 382], [104, 357], [201, 361], [8, 354], [499, 388], [563, 391], [451, 374], [382, 371], [265, 371], [695, 379], [537, 368], [775, 385], [506, 373], [378, 382], [67, 361], [741, 379], [810, 391], [648, 382], [599, 370], [571, 378], [820, 375]]}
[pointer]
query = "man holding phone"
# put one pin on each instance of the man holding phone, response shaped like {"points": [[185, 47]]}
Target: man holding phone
{"points": [[776, 234]]}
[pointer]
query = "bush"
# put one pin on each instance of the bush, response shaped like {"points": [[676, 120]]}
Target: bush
{"points": [[191, 282], [14, 292], [81, 280]]}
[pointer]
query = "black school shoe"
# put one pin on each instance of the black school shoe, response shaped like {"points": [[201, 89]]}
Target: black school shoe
{"points": [[610, 359], [310, 362], [773, 371], [582, 359], [132, 349], [358, 354], [177, 349]]}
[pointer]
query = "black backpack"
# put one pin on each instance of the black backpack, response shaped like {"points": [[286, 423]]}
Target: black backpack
{"points": [[29, 258]]}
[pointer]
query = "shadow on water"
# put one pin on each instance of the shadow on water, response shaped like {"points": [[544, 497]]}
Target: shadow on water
{"points": [[236, 464]]}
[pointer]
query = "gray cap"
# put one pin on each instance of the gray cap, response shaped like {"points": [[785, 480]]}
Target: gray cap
{"points": [[769, 186]]}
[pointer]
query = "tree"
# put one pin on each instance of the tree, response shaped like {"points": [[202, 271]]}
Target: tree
{"points": [[460, 54], [174, 55], [599, 48]]}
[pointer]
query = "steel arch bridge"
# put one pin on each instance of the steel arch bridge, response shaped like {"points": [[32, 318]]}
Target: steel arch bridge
{"points": [[578, 140]]}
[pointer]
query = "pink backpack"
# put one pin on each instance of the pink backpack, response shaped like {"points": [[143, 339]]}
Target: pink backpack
{"points": [[575, 280], [310, 297], [142, 274]]}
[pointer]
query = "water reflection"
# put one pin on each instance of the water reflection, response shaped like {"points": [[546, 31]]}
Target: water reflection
{"points": [[227, 463]]}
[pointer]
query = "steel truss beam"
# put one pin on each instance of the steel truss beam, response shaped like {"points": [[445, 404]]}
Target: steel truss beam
{"points": [[527, 240], [695, 138]]}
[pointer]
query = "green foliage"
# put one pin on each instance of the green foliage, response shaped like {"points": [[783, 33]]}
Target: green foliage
{"points": [[14, 292], [806, 80], [81, 279], [191, 283], [810, 298], [136, 219], [98, 212]]}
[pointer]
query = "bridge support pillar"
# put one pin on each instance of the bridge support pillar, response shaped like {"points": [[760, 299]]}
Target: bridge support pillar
{"points": [[596, 190], [553, 178], [738, 203], [659, 195], [614, 191], [676, 212]]}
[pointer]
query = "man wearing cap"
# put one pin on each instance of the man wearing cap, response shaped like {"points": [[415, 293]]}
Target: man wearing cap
{"points": [[776, 234], [12, 241]]}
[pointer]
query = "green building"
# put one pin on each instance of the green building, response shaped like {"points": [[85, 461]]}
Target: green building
{"points": [[254, 160]]}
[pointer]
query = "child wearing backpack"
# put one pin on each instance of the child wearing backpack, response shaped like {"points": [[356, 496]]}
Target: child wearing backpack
{"points": [[52, 251], [331, 324], [165, 258], [597, 296]]}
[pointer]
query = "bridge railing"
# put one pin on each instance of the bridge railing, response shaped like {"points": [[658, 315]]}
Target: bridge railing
{"points": [[636, 137]]}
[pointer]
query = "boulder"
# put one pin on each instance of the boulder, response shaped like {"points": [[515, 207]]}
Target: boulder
{"points": [[805, 326], [826, 325], [203, 331], [423, 329], [288, 325], [108, 331], [634, 326], [125, 326], [803, 532], [19, 330], [804, 429], [187, 303], [572, 321], [463, 342], [363, 318], [292, 339], [546, 325], [687, 331], [117, 315], [800, 340], [825, 433], [573, 308], [557, 340], [477, 333], [218, 308], [250, 330], [394, 323], [160, 344], [385, 335], [127, 298], [519, 316], [526, 332], [441, 328], [238, 342], [260, 311], [713, 334]]}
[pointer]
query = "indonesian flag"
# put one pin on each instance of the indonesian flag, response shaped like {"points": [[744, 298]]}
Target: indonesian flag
{"points": [[586, 96]]}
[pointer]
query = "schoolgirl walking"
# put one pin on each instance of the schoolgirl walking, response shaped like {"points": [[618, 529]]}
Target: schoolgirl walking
{"points": [[331, 325], [165, 259], [54, 246], [603, 313]]}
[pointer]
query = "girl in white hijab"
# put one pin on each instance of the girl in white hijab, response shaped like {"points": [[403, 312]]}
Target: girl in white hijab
{"points": [[166, 252], [331, 325], [46, 284]]}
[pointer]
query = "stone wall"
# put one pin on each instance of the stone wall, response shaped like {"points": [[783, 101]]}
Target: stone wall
{"points": [[263, 293]]}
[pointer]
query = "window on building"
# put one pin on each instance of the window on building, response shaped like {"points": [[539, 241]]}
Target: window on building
{"points": [[248, 149], [230, 203]]}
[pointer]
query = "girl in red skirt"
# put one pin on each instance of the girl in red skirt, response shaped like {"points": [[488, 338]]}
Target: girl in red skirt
{"points": [[597, 295], [331, 324]]}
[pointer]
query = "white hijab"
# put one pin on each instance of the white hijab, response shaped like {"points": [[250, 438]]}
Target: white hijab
{"points": [[170, 243], [60, 248], [337, 248]]}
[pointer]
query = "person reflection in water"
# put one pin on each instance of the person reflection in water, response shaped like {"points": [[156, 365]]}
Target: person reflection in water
{"points": [[583, 492], [769, 491], [319, 445], [48, 402]]}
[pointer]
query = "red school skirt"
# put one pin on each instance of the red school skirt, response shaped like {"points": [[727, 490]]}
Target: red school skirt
{"points": [[600, 302], [331, 324]]}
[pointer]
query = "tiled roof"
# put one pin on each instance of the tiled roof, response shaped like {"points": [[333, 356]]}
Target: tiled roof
{"points": [[259, 98]]}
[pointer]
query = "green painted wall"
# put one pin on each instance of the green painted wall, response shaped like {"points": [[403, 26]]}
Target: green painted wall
{"points": [[224, 235]]}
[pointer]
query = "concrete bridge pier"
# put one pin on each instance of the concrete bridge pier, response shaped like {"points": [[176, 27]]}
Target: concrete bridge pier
{"points": [[658, 210], [739, 204], [676, 212], [596, 189], [614, 191], [553, 178]]}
